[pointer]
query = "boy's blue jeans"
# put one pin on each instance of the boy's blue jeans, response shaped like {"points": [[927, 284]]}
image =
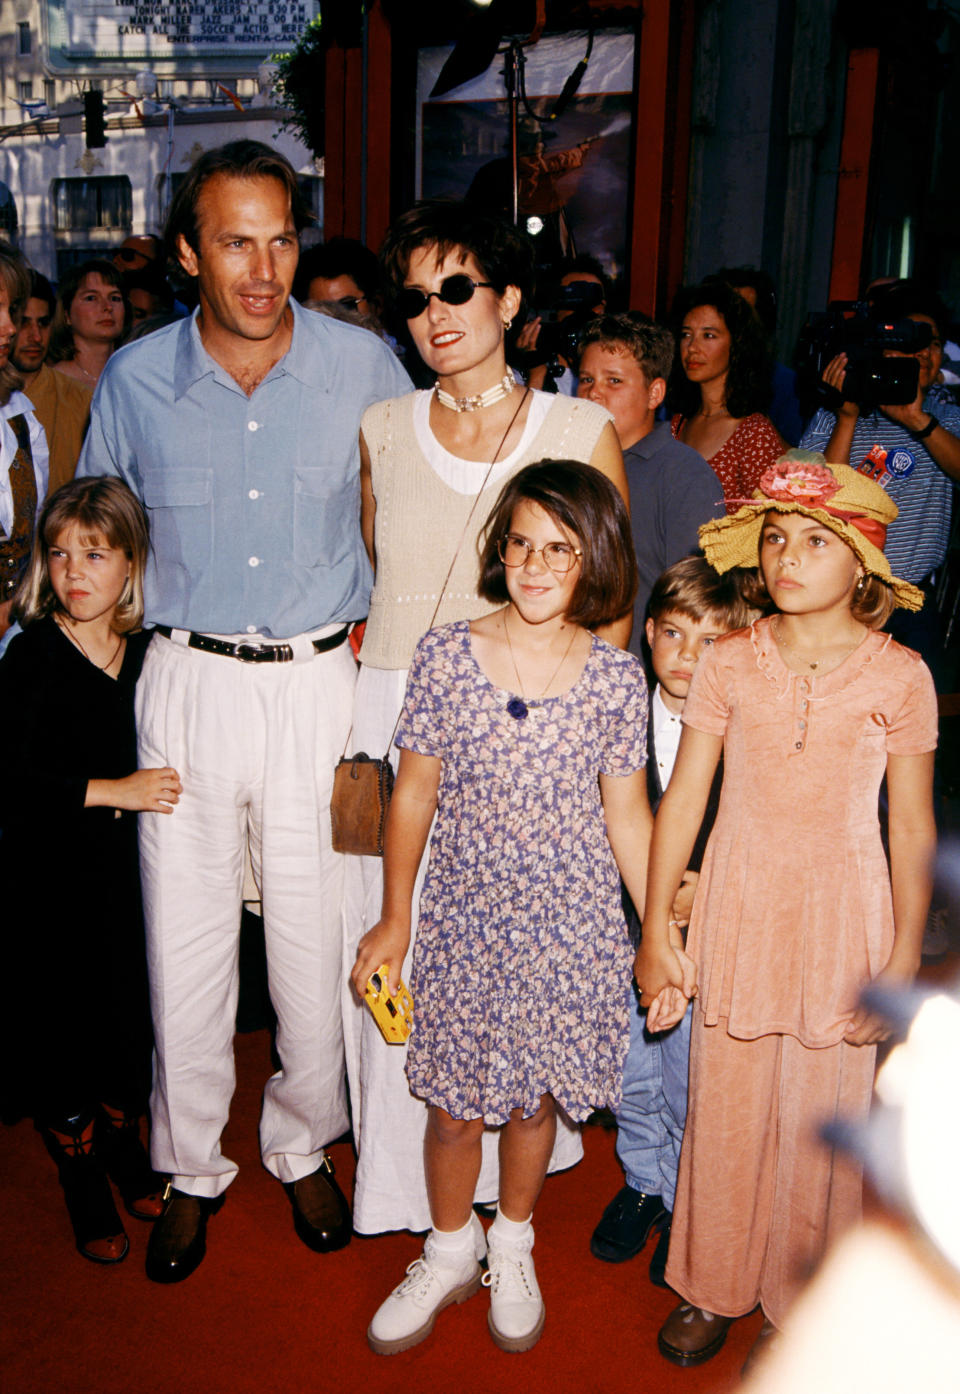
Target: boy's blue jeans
{"points": [[653, 1109]]}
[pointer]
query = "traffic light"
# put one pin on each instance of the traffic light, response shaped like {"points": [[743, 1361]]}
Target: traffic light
{"points": [[93, 123]]}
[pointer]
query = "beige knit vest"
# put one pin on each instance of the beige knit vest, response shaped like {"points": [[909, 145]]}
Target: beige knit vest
{"points": [[420, 521]]}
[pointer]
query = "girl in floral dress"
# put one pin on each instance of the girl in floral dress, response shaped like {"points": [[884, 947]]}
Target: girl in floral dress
{"points": [[527, 735], [796, 911]]}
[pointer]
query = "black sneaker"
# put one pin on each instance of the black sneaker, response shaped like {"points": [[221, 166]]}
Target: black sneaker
{"points": [[626, 1225]]}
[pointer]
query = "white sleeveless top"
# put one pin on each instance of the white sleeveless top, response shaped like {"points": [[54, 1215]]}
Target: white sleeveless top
{"points": [[424, 497]]}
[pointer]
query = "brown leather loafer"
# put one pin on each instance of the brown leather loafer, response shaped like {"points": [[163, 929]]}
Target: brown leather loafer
{"points": [[178, 1240], [690, 1336], [321, 1215]]}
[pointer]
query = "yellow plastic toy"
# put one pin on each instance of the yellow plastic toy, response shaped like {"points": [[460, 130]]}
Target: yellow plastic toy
{"points": [[393, 1014]]}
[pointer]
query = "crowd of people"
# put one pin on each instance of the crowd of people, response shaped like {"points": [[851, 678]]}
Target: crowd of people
{"points": [[578, 580]]}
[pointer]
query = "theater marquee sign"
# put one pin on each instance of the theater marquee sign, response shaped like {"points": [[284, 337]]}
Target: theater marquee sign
{"points": [[91, 35]]}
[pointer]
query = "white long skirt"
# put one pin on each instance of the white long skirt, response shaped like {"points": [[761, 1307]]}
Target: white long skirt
{"points": [[388, 1122]]}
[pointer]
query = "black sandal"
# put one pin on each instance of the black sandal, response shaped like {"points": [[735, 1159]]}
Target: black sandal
{"points": [[97, 1227]]}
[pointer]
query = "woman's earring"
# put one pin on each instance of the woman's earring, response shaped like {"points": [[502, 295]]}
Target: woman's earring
{"points": [[860, 584], [506, 325]]}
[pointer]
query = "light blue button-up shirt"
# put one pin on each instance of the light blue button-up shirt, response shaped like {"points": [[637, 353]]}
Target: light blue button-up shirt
{"points": [[253, 502]]}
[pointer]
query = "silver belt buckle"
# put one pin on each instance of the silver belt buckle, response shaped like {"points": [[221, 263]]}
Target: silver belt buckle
{"points": [[249, 653]]}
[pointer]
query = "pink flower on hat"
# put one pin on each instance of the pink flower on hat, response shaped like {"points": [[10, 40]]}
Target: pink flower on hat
{"points": [[793, 481]]}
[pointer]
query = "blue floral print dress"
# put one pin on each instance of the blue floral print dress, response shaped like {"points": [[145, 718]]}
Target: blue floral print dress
{"points": [[522, 962]]}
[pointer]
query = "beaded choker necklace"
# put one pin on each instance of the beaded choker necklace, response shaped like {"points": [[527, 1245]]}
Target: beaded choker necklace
{"points": [[496, 393]]}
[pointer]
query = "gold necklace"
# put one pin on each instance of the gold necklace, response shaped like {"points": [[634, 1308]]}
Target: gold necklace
{"points": [[70, 635], [519, 707], [791, 649]]}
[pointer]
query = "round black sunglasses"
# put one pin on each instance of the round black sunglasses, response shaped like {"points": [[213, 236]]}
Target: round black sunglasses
{"points": [[454, 290]]}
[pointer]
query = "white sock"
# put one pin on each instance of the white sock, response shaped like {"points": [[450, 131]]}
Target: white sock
{"points": [[511, 1230], [453, 1241]]}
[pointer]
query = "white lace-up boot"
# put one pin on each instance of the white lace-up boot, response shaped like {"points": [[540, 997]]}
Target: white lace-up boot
{"points": [[517, 1312], [447, 1271]]}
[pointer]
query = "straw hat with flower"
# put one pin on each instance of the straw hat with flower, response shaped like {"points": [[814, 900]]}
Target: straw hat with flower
{"points": [[853, 506]]}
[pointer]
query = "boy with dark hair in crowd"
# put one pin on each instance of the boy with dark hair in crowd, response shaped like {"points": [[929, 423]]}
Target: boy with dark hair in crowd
{"points": [[691, 605]]}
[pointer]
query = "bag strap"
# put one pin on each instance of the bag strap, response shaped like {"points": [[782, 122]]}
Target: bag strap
{"points": [[458, 549]]}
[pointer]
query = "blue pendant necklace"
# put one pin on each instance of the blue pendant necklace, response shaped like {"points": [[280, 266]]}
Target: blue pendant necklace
{"points": [[519, 707]]}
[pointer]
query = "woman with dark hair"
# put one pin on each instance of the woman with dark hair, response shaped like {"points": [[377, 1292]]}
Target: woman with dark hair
{"points": [[433, 463], [89, 320], [721, 386]]}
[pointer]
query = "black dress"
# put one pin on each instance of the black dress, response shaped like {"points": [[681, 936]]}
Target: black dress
{"points": [[77, 1006]]}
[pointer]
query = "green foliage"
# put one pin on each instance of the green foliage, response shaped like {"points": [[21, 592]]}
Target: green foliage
{"points": [[300, 86]]}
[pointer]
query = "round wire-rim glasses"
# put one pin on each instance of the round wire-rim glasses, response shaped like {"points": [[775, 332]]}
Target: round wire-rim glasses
{"points": [[560, 557]]}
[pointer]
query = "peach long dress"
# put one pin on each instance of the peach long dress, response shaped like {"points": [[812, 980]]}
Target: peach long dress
{"points": [[794, 915]]}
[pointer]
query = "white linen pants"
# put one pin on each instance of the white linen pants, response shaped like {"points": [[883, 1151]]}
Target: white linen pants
{"points": [[255, 746]]}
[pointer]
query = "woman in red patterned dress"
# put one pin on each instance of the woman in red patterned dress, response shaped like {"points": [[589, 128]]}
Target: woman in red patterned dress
{"points": [[720, 384]]}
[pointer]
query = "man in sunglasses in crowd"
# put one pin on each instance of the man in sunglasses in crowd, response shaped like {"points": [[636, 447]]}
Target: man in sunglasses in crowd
{"points": [[345, 273], [341, 270], [238, 429]]}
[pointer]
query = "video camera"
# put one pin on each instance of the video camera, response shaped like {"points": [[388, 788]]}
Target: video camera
{"points": [[561, 323], [861, 332]]}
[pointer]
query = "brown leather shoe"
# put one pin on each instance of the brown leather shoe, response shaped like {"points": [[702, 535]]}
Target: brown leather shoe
{"points": [[690, 1336], [178, 1240], [321, 1215]]}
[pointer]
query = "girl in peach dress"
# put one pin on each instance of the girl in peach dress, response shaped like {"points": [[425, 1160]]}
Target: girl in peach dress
{"points": [[795, 912]]}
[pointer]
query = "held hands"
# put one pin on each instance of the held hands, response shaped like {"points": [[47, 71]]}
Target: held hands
{"points": [[386, 943], [670, 1003], [666, 1009], [655, 969]]}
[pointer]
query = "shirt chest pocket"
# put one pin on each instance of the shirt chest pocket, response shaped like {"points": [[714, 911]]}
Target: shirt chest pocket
{"points": [[326, 512], [179, 505]]}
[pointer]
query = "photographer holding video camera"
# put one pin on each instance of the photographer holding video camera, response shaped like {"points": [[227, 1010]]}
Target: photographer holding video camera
{"points": [[546, 349], [891, 418]]}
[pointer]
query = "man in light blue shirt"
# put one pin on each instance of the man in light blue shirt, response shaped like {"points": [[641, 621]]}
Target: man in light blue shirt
{"points": [[238, 429]]}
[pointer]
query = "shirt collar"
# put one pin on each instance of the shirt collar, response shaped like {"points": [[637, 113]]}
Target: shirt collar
{"points": [[648, 445], [662, 716], [304, 359], [17, 404]]}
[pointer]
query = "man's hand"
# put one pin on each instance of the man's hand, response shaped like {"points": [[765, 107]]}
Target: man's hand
{"points": [[529, 334], [910, 415], [834, 375]]}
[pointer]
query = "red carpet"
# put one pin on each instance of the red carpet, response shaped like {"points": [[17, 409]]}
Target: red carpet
{"points": [[264, 1314]]}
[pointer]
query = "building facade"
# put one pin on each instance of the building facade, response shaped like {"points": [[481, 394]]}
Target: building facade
{"points": [[188, 77]]}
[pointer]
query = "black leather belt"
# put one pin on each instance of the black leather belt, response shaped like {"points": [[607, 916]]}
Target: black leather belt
{"points": [[254, 653]]}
